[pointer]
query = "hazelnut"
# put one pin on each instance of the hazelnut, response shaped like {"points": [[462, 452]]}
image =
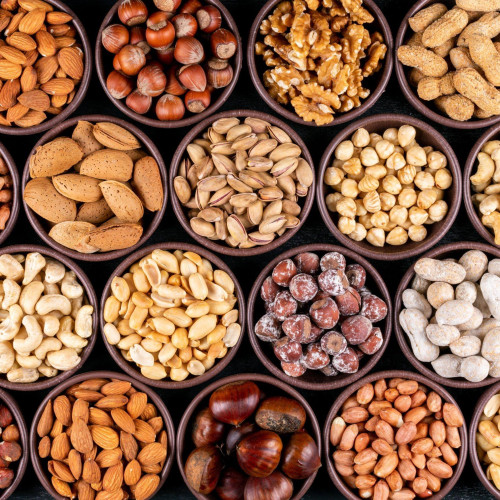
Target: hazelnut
{"points": [[269, 290], [324, 313], [132, 12], [151, 80], [267, 328], [333, 343], [349, 303], [356, 275], [139, 102], [197, 102], [131, 59], [220, 78], [114, 37], [223, 43], [188, 50], [303, 287], [284, 271], [174, 87], [209, 18], [193, 77], [160, 32], [347, 361], [356, 329], [284, 305], [167, 5], [190, 7], [298, 327], [373, 308], [333, 281], [185, 25], [287, 350], [315, 357], [118, 85], [307, 262], [169, 107]]}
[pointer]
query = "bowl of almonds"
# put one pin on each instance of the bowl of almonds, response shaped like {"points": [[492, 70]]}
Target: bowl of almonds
{"points": [[395, 433], [121, 443], [94, 188], [242, 183], [45, 67], [320, 62], [390, 186], [9, 194], [173, 315]]}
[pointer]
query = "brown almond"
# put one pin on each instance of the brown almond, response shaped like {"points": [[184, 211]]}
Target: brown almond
{"points": [[58, 17], [115, 235], [132, 473], [62, 410], [78, 187], [148, 184], [61, 487], [14, 22], [75, 464], [46, 68], [16, 112], [129, 446], [81, 437], [112, 401], [156, 423], [136, 404], [152, 454], [46, 43], [21, 41], [71, 62], [80, 410], [105, 437], [91, 472], [30, 5], [35, 99], [44, 447], [107, 164], [146, 486], [84, 490], [108, 458], [28, 79], [32, 22], [124, 203], [144, 432], [100, 417], [114, 136], [57, 86], [123, 420], [61, 470], [46, 421], [116, 387], [10, 70], [31, 118], [60, 447], [113, 478], [13, 55]]}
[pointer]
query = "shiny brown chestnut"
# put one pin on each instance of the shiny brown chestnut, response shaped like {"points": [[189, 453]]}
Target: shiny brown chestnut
{"points": [[236, 434], [275, 486], [233, 403], [280, 414], [300, 456], [203, 468], [259, 453], [206, 429], [231, 484]]}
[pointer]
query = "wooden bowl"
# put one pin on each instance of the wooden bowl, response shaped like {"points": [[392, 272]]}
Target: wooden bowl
{"points": [[16, 202]]}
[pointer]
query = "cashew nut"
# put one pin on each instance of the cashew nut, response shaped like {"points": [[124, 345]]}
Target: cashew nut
{"points": [[7, 356], [49, 303], [54, 271], [70, 288], [34, 263], [495, 156], [72, 340], [30, 295], [83, 321], [64, 360], [47, 371], [50, 324], [76, 304], [9, 327], [48, 344], [10, 267], [66, 324], [12, 291], [485, 170], [34, 336], [23, 375], [51, 288], [28, 361]]}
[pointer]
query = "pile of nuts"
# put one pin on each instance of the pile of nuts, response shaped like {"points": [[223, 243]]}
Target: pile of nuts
{"points": [[320, 53], [41, 62], [455, 305], [250, 446], [102, 439], [396, 439], [486, 185], [455, 58], [387, 188], [46, 319], [80, 185], [305, 298], [10, 448], [6, 193], [172, 315], [161, 54], [241, 182], [488, 439]]}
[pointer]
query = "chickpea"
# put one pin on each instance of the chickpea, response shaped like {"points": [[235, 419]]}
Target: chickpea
{"points": [[387, 201], [406, 134], [424, 180], [347, 207], [417, 233], [384, 149], [391, 135], [443, 178], [369, 157], [398, 236], [344, 150], [333, 176], [418, 216], [376, 237], [361, 138], [398, 214], [349, 188], [438, 210], [416, 156], [407, 197], [380, 219], [359, 233], [346, 225]]}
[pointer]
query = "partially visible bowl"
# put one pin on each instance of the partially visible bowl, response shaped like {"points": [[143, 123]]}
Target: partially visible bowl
{"points": [[426, 136], [16, 202]]}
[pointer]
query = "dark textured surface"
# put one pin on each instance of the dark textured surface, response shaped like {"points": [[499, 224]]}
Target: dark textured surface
{"points": [[91, 13]]}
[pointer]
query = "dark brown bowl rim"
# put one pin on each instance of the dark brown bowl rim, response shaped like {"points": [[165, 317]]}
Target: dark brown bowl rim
{"points": [[337, 481], [46, 383], [413, 99], [221, 364], [237, 63], [16, 203], [156, 399], [469, 166], [478, 410], [179, 210], [157, 217], [11, 404], [340, 380], [254, 377], [438, 252], [396, 253], [339, 119], [81, 90]]}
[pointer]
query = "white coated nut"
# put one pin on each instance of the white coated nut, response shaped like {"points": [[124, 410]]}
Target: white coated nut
{"points": [[466, 291], [419, 284], [475, 264], [30, 295], [466, 346], [54, 271], [495, 369], [475, 368], [440, 270], [480, 303], [454, 312], [34, 336], [64, 360], [48, 344], [83, 321], [494, 267], [9, 327], [475, 321], [487, 325], [490, 286], [439, 292], [414, 324], [414, 300], [7, 357], [23, 375], [70, 287], [442, 335], [140, 356], [10, 267], [112, 334], [33, 264], [491, 345], [11, 293], [448, 365], [50, 303]]}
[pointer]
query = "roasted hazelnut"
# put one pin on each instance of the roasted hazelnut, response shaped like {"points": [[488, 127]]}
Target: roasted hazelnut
{"points": [[287, 350], [307, 262], [332, 260], [347, 361], [269, 290], [315, 357], [132, 12], [188, 50], [223, 43], [174, 87], [209, 18], [275, 486], [203, 468], [324, 313], [280, 414], [298, 327], [160, 32], [235, 402], [139, 102], [349, 303], [356, 329], [193, 77], [231, 485], [268, 328], [118, 85], [185, 25], [333, 281], [333, 343], [206, 429], [167, 5], [303, 287], [356, 274], [259, 453], [284, 305], [373, 308], [131, 59], [284, 271], [197, 102], [220, 78], [293, 369], [373, 343], [151, 80], [169, 108], [114, 37], [300, 456]]}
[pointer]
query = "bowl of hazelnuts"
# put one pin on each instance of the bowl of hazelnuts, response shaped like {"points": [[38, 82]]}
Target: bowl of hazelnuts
{"points": [[168, 63]]}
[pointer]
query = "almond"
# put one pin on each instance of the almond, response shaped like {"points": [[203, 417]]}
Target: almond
{"points": [[57, 86], [128, 445], [100, 417], [148, 184], [117, 387], [12, 54], [32, 22], [84, 490], [114, 136], [452, 415], [30, 5], [144, 432], [123, 420], [28, 79], [146, 486], [31, 118], [14, 23], [46, 68], [108, 458], [44, 447], [115, 235], [35, 99], [60, 447], [81, 437], [156, 423], [21, 41], [108, 164], [9, 93], [113, 478], [80, 410], [46, 43], [46, 421], [152, 454], [4, 121], [105, 437], [91, 472], [112, 401], [62, 410], [132, 473], [64, 41], [137, 403], [95, 212], [71, 62], [57, 17], [124, 203], [61, 470], [75, 464], [10, 70], [16, 112], [74, 235], [61, 487]]}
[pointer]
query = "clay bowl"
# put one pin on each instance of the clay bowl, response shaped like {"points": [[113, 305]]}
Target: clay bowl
{"points": [[427, 136], [377, 83], [336, 408], [450, 250], [151, 220], [104, 66], [478, 467], [81, 91], [20, 466], [314, 380], [41, 468], [271, 387], [130, 368], [16, 203], [470, 168], [46, 383], [427, 108], [180, 211]]}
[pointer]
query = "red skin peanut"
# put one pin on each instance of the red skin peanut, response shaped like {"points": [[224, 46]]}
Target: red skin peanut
{"points": [[356, 274], [356, 329], [346, 362], [332, 260], [373, 343], [349, 303], [288, 350], [315, 358], [373, 308], [268, 328], [324, 313], [284, 271], [303, 287], [307, 262]]}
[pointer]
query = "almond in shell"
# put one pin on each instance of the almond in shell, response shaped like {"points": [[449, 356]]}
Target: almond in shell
{"points": [[107, 164], [74, 235], [115, 235], [84, 136], [95, 212], [55, 157], [35, 99], [114, 136], [148, 184], [124, 203], [71, 62], [43, 198], [78, 187]]}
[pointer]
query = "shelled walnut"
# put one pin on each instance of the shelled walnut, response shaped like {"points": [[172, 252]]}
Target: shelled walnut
{"points": [[319, 53]]}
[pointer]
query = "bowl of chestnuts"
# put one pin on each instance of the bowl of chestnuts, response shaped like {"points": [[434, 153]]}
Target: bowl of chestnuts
{"points": [[168, 63], [319, 317], [249, 436]]}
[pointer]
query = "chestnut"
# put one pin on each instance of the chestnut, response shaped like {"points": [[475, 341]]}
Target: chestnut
{"points": [[223, 43], [151, 80], [235, 402], [203, 468], [220, 78], [193, 77], [300, 456], [131, 59], [206, 430], [236, 434], [114, 37], [273, 487], [160, 32], [280, 414], [132, 12], [197, 102], [185, 25], [188, 50], [118, 85], [209, 18], [231, 485], [170, 108], [259, 453], [167, 5], [139, 102]]}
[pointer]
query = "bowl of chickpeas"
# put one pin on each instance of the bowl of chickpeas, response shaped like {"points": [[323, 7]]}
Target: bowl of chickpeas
{"points": [[389, 186]]}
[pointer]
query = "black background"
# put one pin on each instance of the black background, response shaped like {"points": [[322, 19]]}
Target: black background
{"points": [[91, 12]]}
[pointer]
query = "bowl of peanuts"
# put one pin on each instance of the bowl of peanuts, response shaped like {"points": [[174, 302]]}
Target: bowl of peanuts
{"points": [[9, 194], [437, 66], [172, 315], [482, 185], [389, 186], [395, 408], [293, 78]]}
